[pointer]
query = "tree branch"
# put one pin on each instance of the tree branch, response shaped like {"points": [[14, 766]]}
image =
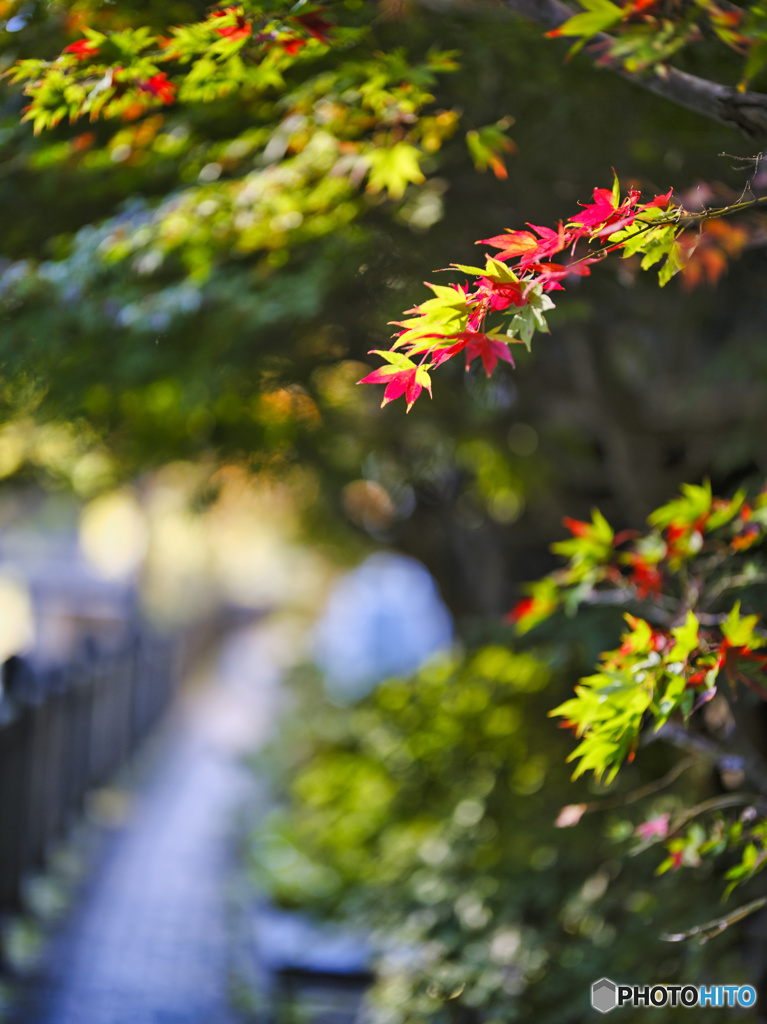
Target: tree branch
{"points": [[709, 930], [746, 111]]}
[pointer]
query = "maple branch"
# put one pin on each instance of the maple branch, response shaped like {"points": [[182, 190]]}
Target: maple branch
{"points": [[684, 739], [608, 803], [716, 803], [709, 930], [746, 111]]}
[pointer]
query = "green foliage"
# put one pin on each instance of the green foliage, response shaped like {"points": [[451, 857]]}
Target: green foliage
{"points": [[425, 812], [322, 125], [119, 73], [646, 35]]}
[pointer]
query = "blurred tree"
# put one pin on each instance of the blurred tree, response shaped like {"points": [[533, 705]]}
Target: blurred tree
{"points": [[201, 271], [426, 814], [226, 308]]}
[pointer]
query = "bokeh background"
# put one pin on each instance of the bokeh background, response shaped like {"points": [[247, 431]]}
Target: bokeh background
{"points": [[343, 727]]}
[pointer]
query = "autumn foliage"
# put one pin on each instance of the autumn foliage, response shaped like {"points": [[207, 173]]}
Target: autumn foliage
{"points": [[345, 125], [691, 590], [505, 302], [507, 299]]}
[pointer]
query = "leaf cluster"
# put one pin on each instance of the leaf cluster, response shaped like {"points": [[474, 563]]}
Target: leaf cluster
{"points": [[425, 814], [515, 286], [690, 668]]}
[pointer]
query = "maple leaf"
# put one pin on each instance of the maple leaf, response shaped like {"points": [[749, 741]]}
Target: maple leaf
{"points": [[489, 350], [577, 527], [160, 86], [487, 146], [82, 49], [749, 536], [596, 213], [394, 168], [550, 274], [647, 578], [523, 607], [513, 243], [487, 347], [315, 25], [676, 859], [526, 245], [235, 32], [709, 250], [551, 241], [292, 44], [598, 16], [402, 377], [501, 294], [661, 202]]}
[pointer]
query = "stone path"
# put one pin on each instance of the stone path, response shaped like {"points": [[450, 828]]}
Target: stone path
{"points": [[149, 943]]}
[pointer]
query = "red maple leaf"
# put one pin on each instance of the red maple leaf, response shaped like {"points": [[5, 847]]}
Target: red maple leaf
{"points": [[550, 274], [597, 212], [239, 30], [526, 245], [235, 32], [748, 536], [660, 201], [646, 577], [82, 49], [513, 243], [520, 609], [403, 378], [501, 294], [292, 45], [676, 532], [476, 345], [160, 86], [486, 348], [551, 241], [577, 527], [315, 25]]}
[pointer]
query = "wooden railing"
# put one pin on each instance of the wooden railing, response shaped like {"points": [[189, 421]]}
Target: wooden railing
{"points": [[65, 732]]}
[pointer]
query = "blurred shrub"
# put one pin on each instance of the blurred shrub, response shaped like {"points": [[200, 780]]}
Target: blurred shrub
{"points": [[426, 811]]}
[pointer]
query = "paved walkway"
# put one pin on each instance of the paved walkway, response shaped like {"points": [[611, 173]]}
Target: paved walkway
{"points": [[149, 943]]}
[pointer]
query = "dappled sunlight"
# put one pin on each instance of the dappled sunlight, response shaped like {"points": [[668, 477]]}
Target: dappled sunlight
{"points": [[16, 617], [114, 534]]}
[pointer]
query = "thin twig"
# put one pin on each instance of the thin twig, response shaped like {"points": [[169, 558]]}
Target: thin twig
{"points": [[643, 791], [715, 803], [709, 930], [729, 583]]}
